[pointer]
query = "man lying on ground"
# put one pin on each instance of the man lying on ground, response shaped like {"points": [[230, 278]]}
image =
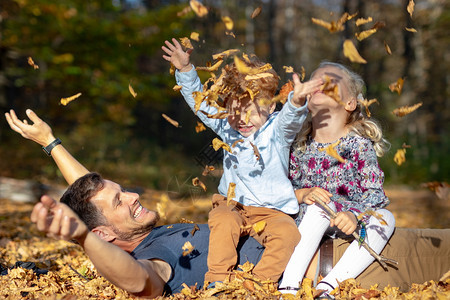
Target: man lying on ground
{"points": [[117, 233]]}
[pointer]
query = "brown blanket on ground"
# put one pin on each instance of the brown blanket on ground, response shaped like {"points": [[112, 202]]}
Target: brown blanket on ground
{"points": [[422, 255]]}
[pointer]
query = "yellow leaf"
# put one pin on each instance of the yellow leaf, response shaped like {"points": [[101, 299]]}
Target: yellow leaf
{"points": [[243, 68], [230, 193], [132, 92], [404, 110], [217, 144], [65, 101], [362, 21], [219, 115], [307, 288], [228, 22], [330, 150], [256, 151], [288, 69], [364, 34], [331, 90], [334, 26], [199, 9], [212, 68], [225, 54], [195, 36], [236, 142], [259, 226], [351, 53], [400, 156], [410, 29], [186, 43], [187, 248], [170, 120], [247, 267], [410, 7]]}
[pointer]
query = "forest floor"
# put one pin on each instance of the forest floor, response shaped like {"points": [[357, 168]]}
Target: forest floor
{"points": [[72, 276]]}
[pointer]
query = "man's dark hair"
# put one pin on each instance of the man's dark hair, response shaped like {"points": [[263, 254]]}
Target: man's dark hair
{"points": [[78, 197]]}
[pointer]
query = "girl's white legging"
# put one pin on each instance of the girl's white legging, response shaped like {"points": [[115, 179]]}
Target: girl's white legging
{"points": [[354, 260]]}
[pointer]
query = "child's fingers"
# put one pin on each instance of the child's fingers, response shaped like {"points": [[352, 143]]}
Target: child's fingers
{"points": [[168, 51], [176, 43], [170, 45], [296, 79]]}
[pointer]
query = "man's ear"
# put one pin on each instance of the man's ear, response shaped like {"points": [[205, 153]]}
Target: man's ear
{"points": [[104, 232], [351, 104]]}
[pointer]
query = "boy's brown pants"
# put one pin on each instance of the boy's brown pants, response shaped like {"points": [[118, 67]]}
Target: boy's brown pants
{"points": [[228, 223]]}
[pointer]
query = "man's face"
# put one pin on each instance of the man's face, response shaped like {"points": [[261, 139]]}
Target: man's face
{"points": [[246, 116], [125, 215]]}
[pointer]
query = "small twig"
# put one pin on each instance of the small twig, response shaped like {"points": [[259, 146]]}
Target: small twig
{"points": [[380, 258]]}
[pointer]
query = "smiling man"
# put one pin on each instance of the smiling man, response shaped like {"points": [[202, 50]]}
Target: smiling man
{"points": [[117, 233]]}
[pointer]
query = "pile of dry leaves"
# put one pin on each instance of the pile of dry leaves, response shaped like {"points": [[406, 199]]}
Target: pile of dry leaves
{"points": [[72, 276]]}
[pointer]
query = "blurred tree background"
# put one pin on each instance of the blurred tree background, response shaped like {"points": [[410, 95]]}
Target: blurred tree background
{"points": [[99, 47]]}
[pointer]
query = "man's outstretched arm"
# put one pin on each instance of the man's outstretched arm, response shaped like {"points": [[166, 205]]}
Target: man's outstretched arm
{"points": [[41, 133], [120, 268]]}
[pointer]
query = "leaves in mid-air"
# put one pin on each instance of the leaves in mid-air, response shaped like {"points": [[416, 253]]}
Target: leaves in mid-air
{"points": [[405, 110], [397, 86], [351, 53], [366, 103], [199, 9], [217, 144], [31, 63], [65, 101]]}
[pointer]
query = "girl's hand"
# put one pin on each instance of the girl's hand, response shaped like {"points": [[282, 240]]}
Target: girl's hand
{"points": [[307, 195], [301, 90], [345, 221], [176, 55]]}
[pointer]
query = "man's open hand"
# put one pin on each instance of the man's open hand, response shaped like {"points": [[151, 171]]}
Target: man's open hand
{"points": [[58, 220], [39, 131]]}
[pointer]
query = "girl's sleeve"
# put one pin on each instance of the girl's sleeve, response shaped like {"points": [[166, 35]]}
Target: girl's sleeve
{"points": [[191, 83], [294, 170], [371, 179]]}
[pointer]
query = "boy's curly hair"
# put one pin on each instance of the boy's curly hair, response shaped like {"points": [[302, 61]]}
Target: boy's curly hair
{"points": [[237, 87]]}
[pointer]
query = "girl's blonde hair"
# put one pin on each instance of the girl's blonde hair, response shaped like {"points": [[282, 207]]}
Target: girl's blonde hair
{"points": [[358, 123]]}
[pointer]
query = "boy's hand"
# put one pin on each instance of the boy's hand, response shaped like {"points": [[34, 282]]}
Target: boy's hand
{"points": [[176, 55], [345, 221], [58, 220], [307, 195], [301, 90], [39, 131]]}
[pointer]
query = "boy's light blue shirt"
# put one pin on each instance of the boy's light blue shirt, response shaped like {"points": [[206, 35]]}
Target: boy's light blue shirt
{"points": [[260, 182]]}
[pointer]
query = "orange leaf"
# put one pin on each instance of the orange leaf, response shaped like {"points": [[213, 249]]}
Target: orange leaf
{"points": [[256, 151], [366, 103], [200, 127], [177, 88], [288, 69], [404, 110], [259, 226], [31, 63], [351, 53], [198, 182], [397, 86], [256, 12], [388, 49]]}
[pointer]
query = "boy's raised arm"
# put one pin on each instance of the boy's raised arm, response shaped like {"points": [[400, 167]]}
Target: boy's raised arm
{"points": [[41, 133]]}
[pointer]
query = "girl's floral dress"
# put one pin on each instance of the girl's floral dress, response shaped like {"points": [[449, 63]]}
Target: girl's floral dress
{"points": [[356, 184]]}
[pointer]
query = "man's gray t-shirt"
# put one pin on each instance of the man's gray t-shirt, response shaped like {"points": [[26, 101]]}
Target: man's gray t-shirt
{"points": [[166, 243]]}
